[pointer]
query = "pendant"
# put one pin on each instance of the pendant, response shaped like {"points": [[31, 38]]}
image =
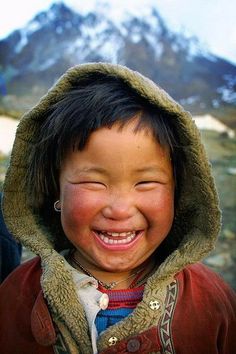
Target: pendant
{"points": [[111, 285]]}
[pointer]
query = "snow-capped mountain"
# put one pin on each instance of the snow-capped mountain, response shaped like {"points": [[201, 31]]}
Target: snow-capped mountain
{"points": [[33, 57]]}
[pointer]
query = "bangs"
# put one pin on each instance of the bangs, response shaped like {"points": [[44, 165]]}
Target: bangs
{"points": [[95, 102]]}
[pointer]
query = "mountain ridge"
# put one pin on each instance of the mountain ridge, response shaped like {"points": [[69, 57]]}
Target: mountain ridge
{"points": [[35, 56]]}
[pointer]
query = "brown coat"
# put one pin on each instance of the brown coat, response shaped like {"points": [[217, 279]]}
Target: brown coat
{"points": [[199, 317], [185, 309]]}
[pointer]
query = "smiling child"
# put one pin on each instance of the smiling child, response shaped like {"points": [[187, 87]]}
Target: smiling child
{"points": [[110, 186]]}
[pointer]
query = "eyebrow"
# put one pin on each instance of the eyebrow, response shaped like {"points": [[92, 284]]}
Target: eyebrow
{"points": [[150, 169], [103, 171], [92, 170]]}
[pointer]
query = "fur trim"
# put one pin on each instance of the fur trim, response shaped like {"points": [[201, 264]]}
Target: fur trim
{"points": [[196, 224]]}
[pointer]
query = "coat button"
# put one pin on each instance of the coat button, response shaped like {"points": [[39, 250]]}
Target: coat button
{"points": [[112, 340], [154, 304], [133, 345]]}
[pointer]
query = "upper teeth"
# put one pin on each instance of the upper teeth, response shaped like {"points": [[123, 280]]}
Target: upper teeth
{"points": [[107, 237], [121, 234]]}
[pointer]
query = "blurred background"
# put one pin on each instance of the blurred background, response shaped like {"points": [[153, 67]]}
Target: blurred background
{"points": [[187, 47]]}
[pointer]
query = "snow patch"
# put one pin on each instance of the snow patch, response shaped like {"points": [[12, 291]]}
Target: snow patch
{"points": [[7, 133], [194, 49], [135, 37], [47, 64], [33, 26], [93, 32], [23, 41], [99, 40], [227, 95], [155, 44], [209, 56], [110, 49], [227, 91], [118, 13], [208, 122]]}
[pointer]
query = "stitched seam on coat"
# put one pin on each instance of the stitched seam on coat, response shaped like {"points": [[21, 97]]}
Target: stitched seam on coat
{"points": [[166, 320]]}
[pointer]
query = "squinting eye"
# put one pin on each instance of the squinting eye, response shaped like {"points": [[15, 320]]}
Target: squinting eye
{"points": [[146, 182], [146, 185], [92, 185]]}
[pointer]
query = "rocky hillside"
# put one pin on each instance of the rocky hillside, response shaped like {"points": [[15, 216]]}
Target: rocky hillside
{"points": [[33, 57]]}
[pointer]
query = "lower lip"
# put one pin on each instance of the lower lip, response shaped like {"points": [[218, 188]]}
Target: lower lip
{"points": [[116, 246]]}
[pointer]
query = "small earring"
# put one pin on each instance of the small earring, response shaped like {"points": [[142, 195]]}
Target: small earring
{"points": [[58, 210]]}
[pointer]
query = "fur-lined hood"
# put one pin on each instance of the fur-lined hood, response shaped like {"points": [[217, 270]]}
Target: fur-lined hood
{"points": [[197, 215]]}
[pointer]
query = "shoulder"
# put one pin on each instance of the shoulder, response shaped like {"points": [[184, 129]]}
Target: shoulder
{"points": [[206, 285], [25, 278], [18, 294], [201, 274], [23, 311], [205, 311]]}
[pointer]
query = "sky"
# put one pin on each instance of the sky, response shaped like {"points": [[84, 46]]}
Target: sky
{"points": [[212, 21]]}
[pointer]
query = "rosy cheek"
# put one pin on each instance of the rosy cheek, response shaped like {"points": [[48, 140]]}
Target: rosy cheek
{"points": [[158, 205], [79, 204], [166, 202]]}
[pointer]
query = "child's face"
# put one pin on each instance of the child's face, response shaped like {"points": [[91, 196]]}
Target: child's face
{"points": [[117, 198]]}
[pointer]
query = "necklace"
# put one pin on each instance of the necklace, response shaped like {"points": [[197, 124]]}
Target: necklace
{"points": [[108, 286]]}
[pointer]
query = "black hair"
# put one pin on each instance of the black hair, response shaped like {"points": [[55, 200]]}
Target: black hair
{"points": [[95, 101]]}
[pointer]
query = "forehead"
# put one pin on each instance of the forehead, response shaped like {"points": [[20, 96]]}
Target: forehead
{"points": [[120, 146]]}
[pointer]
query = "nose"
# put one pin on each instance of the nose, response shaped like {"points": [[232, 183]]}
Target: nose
{"points": [[120, 206]]}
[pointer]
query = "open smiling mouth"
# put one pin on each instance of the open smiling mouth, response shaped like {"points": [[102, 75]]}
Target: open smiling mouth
{"points": [[113, 238]]}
